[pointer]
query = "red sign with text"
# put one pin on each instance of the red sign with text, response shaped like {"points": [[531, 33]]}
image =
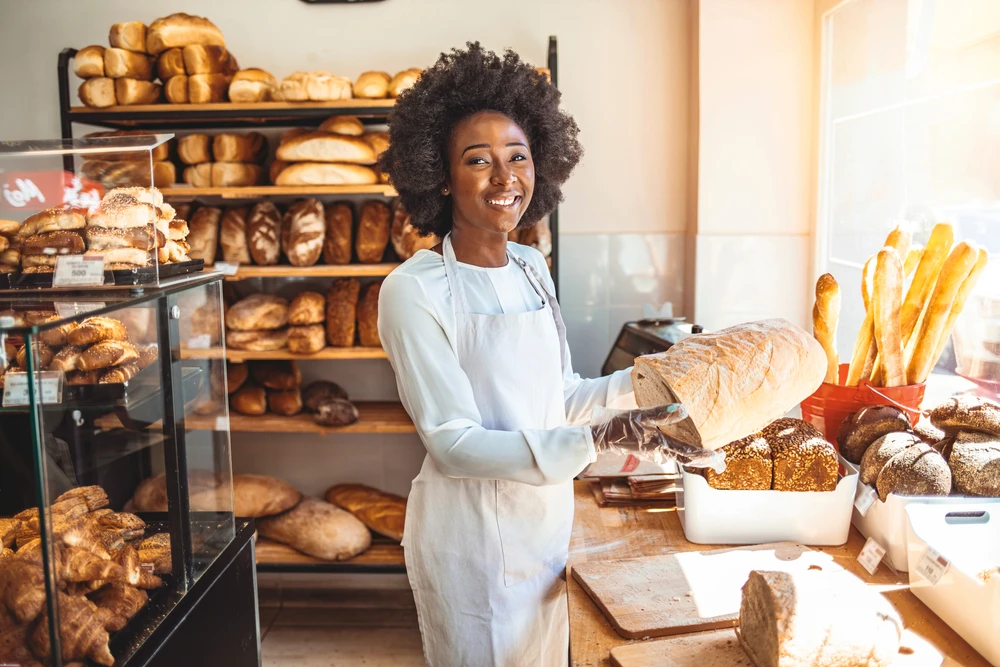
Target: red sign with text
{"points": [[25, 193]]}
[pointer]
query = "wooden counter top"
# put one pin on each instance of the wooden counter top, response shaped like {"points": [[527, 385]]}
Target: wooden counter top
{"points": [[630, 532]]}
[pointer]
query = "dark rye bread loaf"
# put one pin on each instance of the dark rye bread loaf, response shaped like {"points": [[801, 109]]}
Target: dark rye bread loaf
{"points": [[803, 460], [868, 425], [967, 413], [883, 449], [748, 466], [915, 471], [975, 464]]}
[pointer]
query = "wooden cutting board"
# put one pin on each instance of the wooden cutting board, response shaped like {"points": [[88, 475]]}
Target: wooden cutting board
{"points": [[686, 592], [721, 648]]}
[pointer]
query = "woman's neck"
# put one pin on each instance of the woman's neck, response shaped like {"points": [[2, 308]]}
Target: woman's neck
{"points": [[479, 247]]}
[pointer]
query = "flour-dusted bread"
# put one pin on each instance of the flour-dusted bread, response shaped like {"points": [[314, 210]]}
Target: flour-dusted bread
{"points": [[306, 230], [338, 242], [318, 529], [975, 464], [320, 173], [233, 235], [264, 233], [307, 308], [261, 495], [862, 428], [816, 618], [258, 312], [880, 451], [733, 382], [380, 511], [919, 470], [325, 147], [368, 316], [204, 234], [179, 30], [967, 413], [341, 312], [373, 232]]}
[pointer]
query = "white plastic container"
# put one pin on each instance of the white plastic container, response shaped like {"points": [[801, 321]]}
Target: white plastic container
{"points": [[967, 536], [719, 516]]}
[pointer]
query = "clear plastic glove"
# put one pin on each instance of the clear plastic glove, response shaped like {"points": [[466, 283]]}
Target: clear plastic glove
{"points": [[637, 432]]}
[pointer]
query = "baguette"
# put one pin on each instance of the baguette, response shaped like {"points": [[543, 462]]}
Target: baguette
{"points": [[170, 64], [886, 298], [826, 312], [867, 279], [954, 271], [89, 62], [935, 252], [382, 512], [912, 260], [325, 147], [963, 294]]}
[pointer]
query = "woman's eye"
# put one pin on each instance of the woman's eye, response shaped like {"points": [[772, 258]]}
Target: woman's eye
{"points": [[477, 160], [519, 157]]}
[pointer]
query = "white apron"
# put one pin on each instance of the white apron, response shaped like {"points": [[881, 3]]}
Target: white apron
{"points": [[485, 558]]}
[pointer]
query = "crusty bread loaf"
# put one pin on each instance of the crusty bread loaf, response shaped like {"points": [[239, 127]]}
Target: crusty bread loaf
{"points": [[733, 382], [918, 470], [106, 354], [257, 341], [279, 375], [347, 125], [967, 413], [287, 403], [98, 92], [120, 63], [867, 425], [249, 147], [208, 88], [209, 59], [96, 329], [305, 229], [175, 89], [260, 495], [975, 464], [204, 234], [257, 312], [133, 91], [385, 513], [130, 35], [880, 451], [803, 460], [325, 147], [373, 232], [249, 400], [252, 85], [194, 148], [307, 308], [368, 316], [379, 141], [337, 245], [235, 174], [199, 175], [264, 233], [89, 62], [306, 339], [171, 64], [748, 466], [403, 81], [178, 30], [233, 235], [341, 312], [816, 618], [372, 85], [318, 529], [320, 173]]}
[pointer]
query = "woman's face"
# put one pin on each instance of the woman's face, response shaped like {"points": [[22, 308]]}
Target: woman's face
{"points": [[491, 174]]}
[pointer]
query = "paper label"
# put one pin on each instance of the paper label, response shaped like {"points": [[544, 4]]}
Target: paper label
{"points": [[221, 423], [865, 498], [871, 555], [630, 465], [78, 271], [932, 565], [15, 388], [70, 309], [146, 567], [227, 268], [200, 342]]}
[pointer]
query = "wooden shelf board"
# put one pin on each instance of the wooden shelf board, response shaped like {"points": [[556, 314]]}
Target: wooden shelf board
{"points": [[257, 191], [340, 353], [229, 107], [381, 555], [317, 271]]}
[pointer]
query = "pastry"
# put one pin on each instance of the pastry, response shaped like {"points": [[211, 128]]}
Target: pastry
{"points": [[156, 551], [257, 341], [106, 354], [307, 308], [264, 233], [382, 512], [256, 312], [119, 375], [338, 242], [341, 312], [306, 339], [373, 232], [81, 628], [122, 601], [318, 529]]}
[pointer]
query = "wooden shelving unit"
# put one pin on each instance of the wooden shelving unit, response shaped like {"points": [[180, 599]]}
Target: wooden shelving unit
{"points": [[260, 191], [382, 556], [239, 356], [317, 271]]}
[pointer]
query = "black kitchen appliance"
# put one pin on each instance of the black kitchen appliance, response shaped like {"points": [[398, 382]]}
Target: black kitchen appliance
{"points": [[646, 337]]}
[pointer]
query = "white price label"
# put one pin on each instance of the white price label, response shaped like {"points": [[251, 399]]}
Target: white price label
{"points": [[146, 567], [932, 565], [78, 271], [70, 309], [227, 268], [15, 388], [865, 498], [200, 342], [871, 555], [221, 423]]}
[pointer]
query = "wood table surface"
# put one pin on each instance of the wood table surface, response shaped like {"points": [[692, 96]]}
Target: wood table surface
{"points": [[633, 532]]}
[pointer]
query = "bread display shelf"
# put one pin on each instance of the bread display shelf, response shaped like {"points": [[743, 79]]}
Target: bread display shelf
{"points": [[385, 418], [240, 356], [383, 556], [258, 191], [316, 271]]}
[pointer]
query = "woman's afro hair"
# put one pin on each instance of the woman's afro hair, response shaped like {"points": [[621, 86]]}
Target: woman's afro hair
{"points": [[460, 84]]}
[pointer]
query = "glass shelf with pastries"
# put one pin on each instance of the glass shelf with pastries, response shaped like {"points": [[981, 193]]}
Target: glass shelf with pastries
{"points": [[78, 213], [119, 546]]}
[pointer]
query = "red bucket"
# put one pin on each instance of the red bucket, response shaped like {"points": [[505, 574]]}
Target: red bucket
{"points": [[832, 403]]}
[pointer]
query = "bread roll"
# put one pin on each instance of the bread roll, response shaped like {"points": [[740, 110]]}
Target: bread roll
{"points": [[748, 466], [325, 147], [341, 308], [368, 316], [264, 233], [306, 229], [306, 339], [928, 433], [97, 329], [803, 460], [249, 147], [249, 400], [235, 174], [98, 92], [307, 308], [382, 512], [403, 82], [204, 235], [373, 232], [194, 148], [347, 125], [236, 375], [337, 245], [252, 85], [287, 403], [318, 173], [209, 59], [133, 91], [322, 391], [257, 312], [199, 175], [318, 529], [967, 413], [975, 464], [89, 62], [257, 341], [816, 618], [175, 89], [120, 63], [735, 381], [866, 426], [171, 64], [178, 30], [130, 35], [233, 235], [372, 85], [918, 470], [208, 88], [315, 86], [880, 451], [278, 375], [106, 354], [41, 357]]}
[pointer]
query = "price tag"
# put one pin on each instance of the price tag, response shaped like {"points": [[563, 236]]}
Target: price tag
{"points": [[932, 565], [871, 555], [79, 271], [221, 423], [146, 567], [71, 309], [227, 268], [15, 388], [865, 498], [200, 342]]}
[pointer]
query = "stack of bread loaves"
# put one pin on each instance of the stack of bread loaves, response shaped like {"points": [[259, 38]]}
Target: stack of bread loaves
{"points": [[258, 322], [261, 386], [131, 168], [122, 74], [48, 235], [337, 153], [316, 86], [132, 223], [225, 160], [10, 246]]}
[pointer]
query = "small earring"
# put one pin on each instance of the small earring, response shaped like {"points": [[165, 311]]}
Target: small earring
{"points": [[445, 190]]}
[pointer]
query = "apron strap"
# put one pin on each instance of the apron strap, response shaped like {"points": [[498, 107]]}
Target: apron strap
{"points": [[530, 271]]}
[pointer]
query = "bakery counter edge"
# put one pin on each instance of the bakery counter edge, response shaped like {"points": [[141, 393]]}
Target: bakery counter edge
{"points": [[239, 356]]}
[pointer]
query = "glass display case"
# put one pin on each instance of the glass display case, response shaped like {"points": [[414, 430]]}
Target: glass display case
{"points": [[116, 500], [84, 212]]}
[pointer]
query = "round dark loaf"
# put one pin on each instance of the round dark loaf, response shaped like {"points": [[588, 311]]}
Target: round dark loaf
{"points": [[918, 470], [883, 449], [802, 459], [868, 425], [967, 413], [322, 391], [975, 464], [337, 412], [928, 432]]}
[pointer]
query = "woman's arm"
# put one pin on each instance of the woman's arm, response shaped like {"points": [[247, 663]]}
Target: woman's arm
{"points": [[438, 397]]}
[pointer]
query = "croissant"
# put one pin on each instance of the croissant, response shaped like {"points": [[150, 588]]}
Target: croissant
{"points": [[85, 533], [22, 588], [128, 525], [128, 558], [94, 496], [8, 531], [73, 563], [122, 600], [81, 628], [156, 550], [14, 646], [5, 552]]}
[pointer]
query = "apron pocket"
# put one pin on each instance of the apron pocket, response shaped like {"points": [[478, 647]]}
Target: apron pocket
{"points": [[535, 523]]}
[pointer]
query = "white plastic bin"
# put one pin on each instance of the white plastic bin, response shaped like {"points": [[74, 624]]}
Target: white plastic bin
{"points": [[967, 535], [719, 516]]}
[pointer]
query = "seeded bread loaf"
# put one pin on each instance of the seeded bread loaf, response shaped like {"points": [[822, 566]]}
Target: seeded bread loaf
{"points": [[341, 312], [975, 464], [803, 460], [883, 449], [967, 413], [866, 426], [748, 466], [918, 470]]}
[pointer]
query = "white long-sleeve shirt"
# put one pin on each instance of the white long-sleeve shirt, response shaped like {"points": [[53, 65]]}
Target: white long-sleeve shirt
{"points": [[418, 330]]}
